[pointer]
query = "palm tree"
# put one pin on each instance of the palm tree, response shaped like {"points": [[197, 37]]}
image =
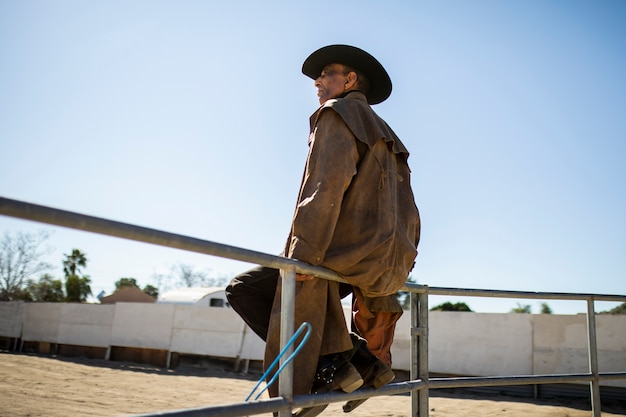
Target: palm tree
{"points": [[77, 288], [73, 261]]}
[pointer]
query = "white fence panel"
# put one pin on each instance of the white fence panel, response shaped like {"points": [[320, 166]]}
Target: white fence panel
{"points": [[11, 319], [41, 322], [253, 346], [142, 325], [211, 331], [86, 324], [560, 344]]}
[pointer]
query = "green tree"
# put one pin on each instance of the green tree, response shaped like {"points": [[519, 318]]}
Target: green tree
{"points": [[620, 309], [77, 288], [20, 259], [132, 282], [524, 309], [545, 308], [151, 291], [125, 283], [448, 306], [46, 289]]}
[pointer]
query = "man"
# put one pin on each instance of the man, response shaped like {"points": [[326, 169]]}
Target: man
{"points": [[356, 215]]}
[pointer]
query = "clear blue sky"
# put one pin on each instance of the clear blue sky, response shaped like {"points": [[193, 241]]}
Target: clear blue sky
{"points": [[192, 117]]}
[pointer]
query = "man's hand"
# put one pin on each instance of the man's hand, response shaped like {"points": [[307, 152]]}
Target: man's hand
{"points": [[302, 277]]}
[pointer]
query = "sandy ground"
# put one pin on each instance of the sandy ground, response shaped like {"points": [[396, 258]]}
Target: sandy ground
{"points": [[36, 385]]}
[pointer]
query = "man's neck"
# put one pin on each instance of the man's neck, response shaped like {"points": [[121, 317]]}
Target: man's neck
{"points": [[348, 92]]}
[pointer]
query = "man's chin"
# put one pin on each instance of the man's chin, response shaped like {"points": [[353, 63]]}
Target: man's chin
{"points": [[324, 99]]}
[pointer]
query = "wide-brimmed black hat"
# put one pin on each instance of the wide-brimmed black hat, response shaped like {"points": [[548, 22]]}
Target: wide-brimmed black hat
{"points": [[380, 83]]}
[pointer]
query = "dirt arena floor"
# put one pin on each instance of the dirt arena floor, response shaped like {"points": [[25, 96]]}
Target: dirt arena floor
{"points": [[40, 385]]}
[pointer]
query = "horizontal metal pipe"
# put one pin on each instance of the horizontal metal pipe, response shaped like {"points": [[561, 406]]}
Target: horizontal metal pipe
{"points": [[280, 404], [49, 215], [303, 401], [494, 381], [72, 220], [57, 217], [611, 376], [467, 292], [226, 410]]}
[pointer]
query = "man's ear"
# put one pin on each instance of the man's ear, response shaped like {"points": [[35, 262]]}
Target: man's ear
{"points": [[351, 81]]}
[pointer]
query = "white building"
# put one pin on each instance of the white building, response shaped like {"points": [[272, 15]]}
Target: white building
{"points": [[197, 296]]}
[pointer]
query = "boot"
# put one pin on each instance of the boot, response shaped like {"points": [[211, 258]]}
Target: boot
{"points": [[334, 372], [375, 373]]}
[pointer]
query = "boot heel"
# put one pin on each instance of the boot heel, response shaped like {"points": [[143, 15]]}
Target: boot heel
{"points": [[383, 378], [349, 378]]}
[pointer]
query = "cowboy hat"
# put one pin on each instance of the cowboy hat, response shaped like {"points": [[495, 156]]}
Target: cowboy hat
{"points": [[380, 83]]}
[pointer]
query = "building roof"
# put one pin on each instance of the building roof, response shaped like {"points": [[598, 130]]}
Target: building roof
{"points": [[128, 295]]}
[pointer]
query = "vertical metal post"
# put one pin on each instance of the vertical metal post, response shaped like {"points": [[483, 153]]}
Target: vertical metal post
{"points": [[419, 352], [414, 351], [594, 386], [423, 372], [288, 295]]}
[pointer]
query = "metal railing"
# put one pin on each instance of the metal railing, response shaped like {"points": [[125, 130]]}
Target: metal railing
{"points": [[419, 346], [419, 383]]}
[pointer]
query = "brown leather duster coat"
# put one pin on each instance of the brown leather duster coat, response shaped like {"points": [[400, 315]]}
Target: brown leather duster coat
{"points": [[355, 215], [356, 212]]}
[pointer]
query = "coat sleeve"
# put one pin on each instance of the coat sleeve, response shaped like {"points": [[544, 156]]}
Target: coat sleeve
{"points": [[331, 165]]}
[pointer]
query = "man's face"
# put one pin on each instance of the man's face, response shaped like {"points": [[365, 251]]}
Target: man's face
{"points": [[331, 83]]}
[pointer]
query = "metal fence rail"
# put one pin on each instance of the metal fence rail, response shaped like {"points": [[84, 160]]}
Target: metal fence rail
{"points": [[419, 369], [420, 382]]}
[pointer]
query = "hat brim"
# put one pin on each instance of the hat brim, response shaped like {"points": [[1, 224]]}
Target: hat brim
{"points": [[380, 83]]}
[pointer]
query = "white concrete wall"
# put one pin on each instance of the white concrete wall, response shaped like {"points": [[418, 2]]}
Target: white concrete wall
{"points": [[471, 343], [86, 325], [11, 319], [143, 325], [480, 344], [459, 343], [42, 322], [213, 331], [560, 344], [515, 344]]}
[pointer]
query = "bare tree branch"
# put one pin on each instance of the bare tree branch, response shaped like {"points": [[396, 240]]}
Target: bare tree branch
{"points": [[20, 259]]}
